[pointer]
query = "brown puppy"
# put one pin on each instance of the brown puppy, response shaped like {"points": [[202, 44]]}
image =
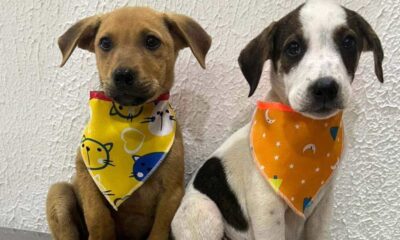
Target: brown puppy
{"points": [[135, 49]]}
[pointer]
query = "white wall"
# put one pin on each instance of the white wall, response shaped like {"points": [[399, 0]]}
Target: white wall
{"points": [[43, 108]]}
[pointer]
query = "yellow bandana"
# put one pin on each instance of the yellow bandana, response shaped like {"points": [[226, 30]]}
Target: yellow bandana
{"points": [[297, 155], [122, 146]]}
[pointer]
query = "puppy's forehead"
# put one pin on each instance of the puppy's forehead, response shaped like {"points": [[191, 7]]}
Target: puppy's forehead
{"points": [[321, 17], [133, 19]]}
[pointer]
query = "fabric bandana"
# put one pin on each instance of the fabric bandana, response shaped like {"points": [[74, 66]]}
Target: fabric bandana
{"points": [[297, 155], [123, 145]]}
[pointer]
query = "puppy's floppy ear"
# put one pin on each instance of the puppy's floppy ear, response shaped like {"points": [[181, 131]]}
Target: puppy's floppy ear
{"points": [[371, 42], [81, 34], [188, 33], [253, 56]]}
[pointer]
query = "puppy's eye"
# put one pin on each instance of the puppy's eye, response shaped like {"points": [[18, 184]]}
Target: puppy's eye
{"points": [[152, 43], [294, 49], [349, 42], [105, 44]]}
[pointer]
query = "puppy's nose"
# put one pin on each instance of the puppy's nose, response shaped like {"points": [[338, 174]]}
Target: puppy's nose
{"points": [[325, 89], [124, 77]]}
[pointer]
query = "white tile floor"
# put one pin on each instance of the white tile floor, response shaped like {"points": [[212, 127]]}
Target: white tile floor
{"points": [[15, 234]]}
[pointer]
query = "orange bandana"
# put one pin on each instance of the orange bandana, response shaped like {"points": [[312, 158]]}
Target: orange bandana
{"points": [[297, 155]]}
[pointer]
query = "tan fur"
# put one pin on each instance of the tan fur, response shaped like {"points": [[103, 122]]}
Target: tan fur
{"points": [[79, 210]]}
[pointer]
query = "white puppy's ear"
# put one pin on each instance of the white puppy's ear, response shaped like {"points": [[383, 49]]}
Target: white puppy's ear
{"points": [[254, 55], [371, 41], [81, 34], [188, 33]]}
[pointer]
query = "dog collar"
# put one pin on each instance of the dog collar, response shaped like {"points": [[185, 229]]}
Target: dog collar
{"points": [[297, 155], [123, 145]]}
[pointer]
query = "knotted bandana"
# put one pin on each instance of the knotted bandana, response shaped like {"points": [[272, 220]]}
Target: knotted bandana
{"points": [[297, 155], [122, 146]]}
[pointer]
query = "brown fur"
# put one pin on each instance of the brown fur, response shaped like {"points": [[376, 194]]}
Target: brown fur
{"points": [[79, 210]]}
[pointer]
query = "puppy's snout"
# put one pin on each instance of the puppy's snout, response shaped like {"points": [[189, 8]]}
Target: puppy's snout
{"points": [[124, 77], [325, 89]]}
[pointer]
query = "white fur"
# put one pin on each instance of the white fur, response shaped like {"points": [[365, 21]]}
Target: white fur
{"points": [[197, 208], [268, 215], [199, 218], [319, 20]]}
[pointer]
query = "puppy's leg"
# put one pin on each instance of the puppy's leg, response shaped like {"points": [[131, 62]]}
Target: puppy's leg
{"points": [[63, 214], [266, 210], [197, 218], [171, 174], [99, 222], [317, 225], [166, 208]]}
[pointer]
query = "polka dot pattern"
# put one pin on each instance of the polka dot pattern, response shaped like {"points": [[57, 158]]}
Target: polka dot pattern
{"points": [[297, 155]]}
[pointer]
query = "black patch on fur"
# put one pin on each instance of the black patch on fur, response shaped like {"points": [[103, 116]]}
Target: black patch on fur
{"points": [[271, 44], [368, 40], [253, 56], [289, 28], [211, 181], [349, 56]]}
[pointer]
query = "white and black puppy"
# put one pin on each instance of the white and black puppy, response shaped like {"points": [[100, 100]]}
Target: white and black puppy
{"points": [[314, 53]]}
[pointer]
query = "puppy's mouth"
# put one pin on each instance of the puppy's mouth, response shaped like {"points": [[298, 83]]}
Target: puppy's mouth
{"points": [[129, 97], [130, 100], [322, 110]]}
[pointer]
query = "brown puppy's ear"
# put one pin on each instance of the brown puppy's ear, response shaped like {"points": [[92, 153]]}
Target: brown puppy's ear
{"points": [[371, 42], [188, 33], [253, 56], [81, 34]]}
